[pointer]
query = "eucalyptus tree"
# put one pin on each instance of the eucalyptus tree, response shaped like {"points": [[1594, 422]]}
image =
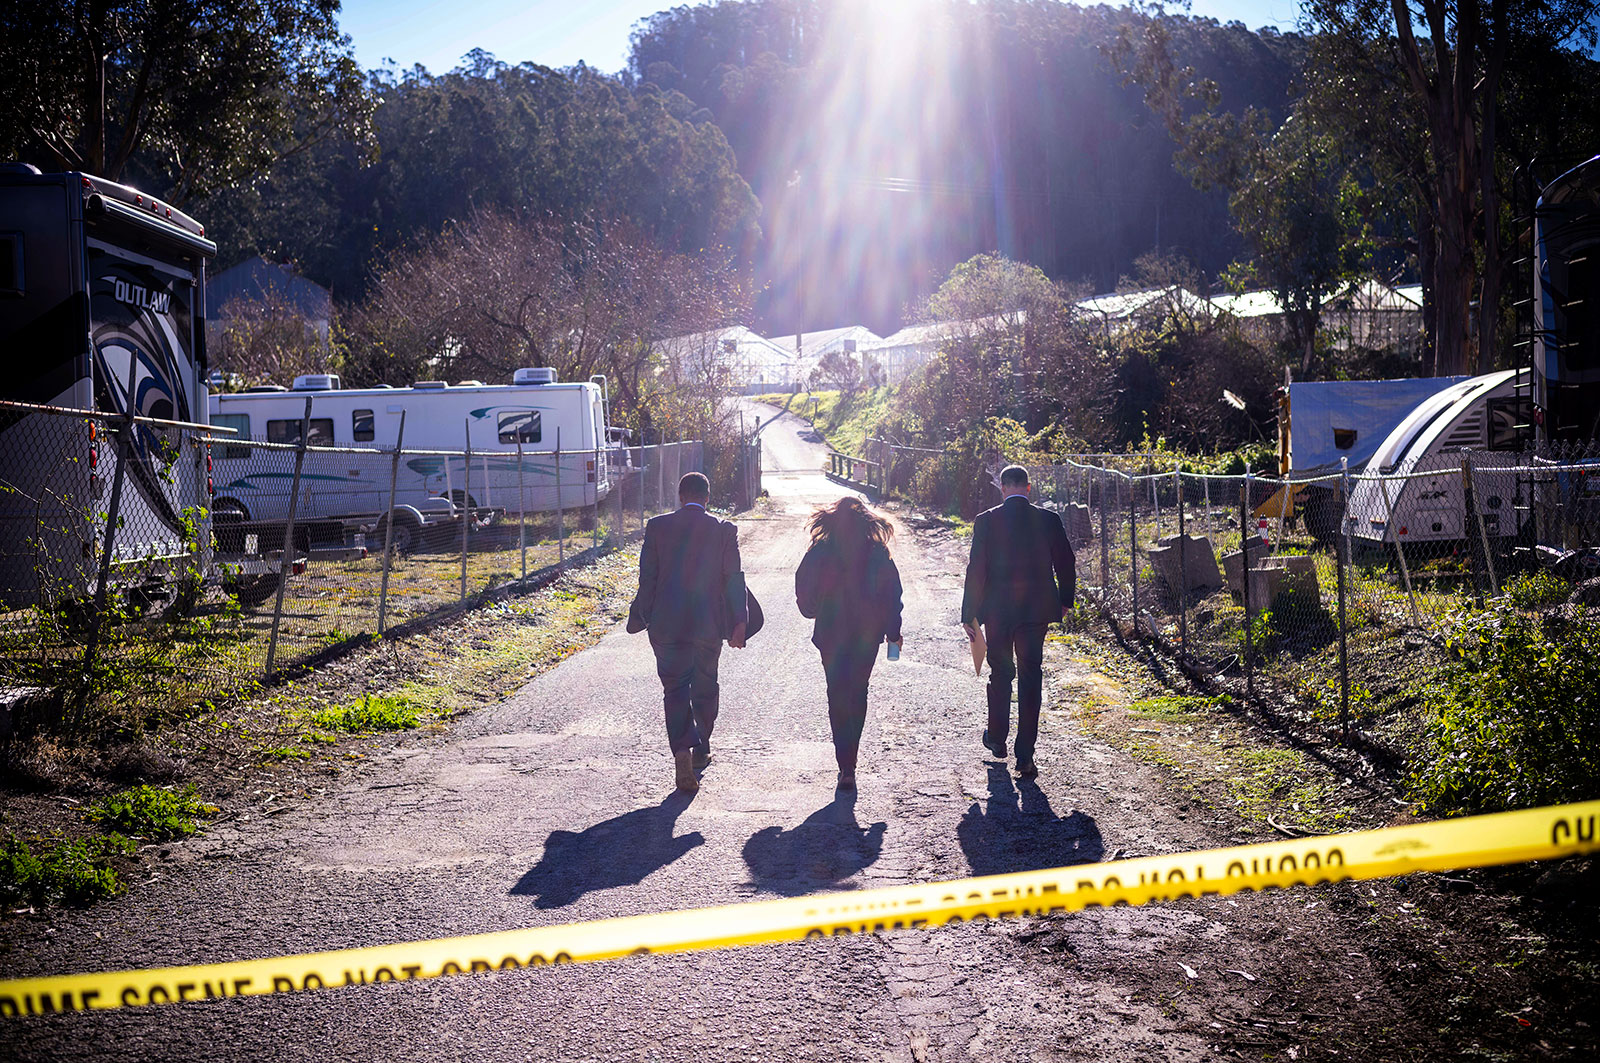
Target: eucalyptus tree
{"points": [[187, 96]]}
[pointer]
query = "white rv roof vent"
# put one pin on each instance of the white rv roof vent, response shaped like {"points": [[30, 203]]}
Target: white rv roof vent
{"points": [[317, 382], [541, 375], [429, 385]]}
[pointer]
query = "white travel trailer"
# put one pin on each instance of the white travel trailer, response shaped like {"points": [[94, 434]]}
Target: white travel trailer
{"points": [[1489, 415], [535, 411]]}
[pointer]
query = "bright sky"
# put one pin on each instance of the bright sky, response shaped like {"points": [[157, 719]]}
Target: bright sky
{"points": [[437, 33]]}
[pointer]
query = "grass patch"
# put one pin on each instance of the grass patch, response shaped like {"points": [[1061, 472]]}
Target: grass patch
{"points": [[1214, 758], [59, 869], [1174, 709], [374, 712], [845, 421], [286, 753], [155, 813]]}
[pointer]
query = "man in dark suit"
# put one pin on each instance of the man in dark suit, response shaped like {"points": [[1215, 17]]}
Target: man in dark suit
{"points": [[691, 597], [1020, 580]]}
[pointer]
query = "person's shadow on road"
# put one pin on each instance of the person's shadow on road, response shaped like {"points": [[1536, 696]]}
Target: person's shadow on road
{"points": [[616, 852], [829, 845], [1019, 831]]}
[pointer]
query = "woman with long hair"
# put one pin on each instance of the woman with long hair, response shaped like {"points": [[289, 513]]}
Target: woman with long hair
{"points": [[849, 585]]}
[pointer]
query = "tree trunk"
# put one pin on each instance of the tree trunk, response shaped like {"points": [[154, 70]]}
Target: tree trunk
{"points": [[1494, 260]]}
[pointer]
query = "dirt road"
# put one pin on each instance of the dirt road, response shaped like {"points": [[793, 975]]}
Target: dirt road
{"points": [[557, 805]]}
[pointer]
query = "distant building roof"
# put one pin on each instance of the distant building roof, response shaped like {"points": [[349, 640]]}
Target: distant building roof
{"points": [[747, 341], [816, 344], [1248, 304], [255, 277], [1119, 306]]}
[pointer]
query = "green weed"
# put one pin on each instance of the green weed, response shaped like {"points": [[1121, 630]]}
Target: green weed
{"points": [[1515, 722], [152, 812], [1174, 709], [1536, 590], [377, 712], [74, 871]]}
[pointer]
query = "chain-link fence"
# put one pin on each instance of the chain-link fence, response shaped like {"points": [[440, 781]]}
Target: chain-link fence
{"points": [[150, 565], [1326, 593]]}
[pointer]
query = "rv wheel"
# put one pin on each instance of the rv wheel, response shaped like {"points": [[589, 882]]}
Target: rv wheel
{"points": [[406, 535], [252, 590], [186, 593]]}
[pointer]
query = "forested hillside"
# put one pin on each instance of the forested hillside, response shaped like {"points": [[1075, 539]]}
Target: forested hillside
{"points": [[876, 161], [488, 136], [885, 153]]}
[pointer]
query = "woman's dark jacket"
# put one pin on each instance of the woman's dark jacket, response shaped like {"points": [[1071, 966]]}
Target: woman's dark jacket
{"points": [[852, 593]]}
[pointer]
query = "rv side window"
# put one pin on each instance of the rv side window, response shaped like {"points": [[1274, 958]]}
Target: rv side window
{"points": [[361, 426], [1510, 421], [521, 426], [240, 423], [289, 432]]}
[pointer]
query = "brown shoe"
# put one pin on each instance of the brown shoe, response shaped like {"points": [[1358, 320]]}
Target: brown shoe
{"points": [[1027, 769], [847, 781], [683, 765]]}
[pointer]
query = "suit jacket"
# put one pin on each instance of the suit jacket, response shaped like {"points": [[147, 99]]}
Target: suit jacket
{"points": [[854, 597], [691, 588], [1021, 570]]}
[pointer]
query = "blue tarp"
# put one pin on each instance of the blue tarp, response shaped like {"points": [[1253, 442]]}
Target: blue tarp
{"points": [[1334, 419]]}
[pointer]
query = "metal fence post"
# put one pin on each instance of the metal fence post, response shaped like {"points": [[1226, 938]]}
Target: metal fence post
{"points": [[1341, 559], [1468, 505], [1469, 490], [1244, 567], [1133, 551], [619, 523], [642, 466], [1183, 570], [113, 515], [388, 530], [1399, 549], [1105, 545], [1209, 534], [466, 504], [286, 562], [522, 510], [561, 528], [594, 538]]}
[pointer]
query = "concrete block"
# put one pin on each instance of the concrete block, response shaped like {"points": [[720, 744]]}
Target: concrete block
{"points": [[1233, 564], [1282, 573], [1076, 523], [1177, 556]]}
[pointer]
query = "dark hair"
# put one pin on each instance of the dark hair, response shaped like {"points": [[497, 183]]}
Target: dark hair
{"points": [[694, 487], [1013, 476], [849, 523]]}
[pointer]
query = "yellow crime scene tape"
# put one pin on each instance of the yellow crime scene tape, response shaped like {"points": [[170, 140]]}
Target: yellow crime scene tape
{"points": [[1481, 841]]}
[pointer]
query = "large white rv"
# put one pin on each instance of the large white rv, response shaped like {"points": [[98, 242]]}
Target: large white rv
{"points": [[534, 412], [101, 290], [1419, 496]]}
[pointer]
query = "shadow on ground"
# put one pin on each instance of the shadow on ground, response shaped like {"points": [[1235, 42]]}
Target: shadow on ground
{"points": [[619, 851], [828, 846], [1017, 830]]}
